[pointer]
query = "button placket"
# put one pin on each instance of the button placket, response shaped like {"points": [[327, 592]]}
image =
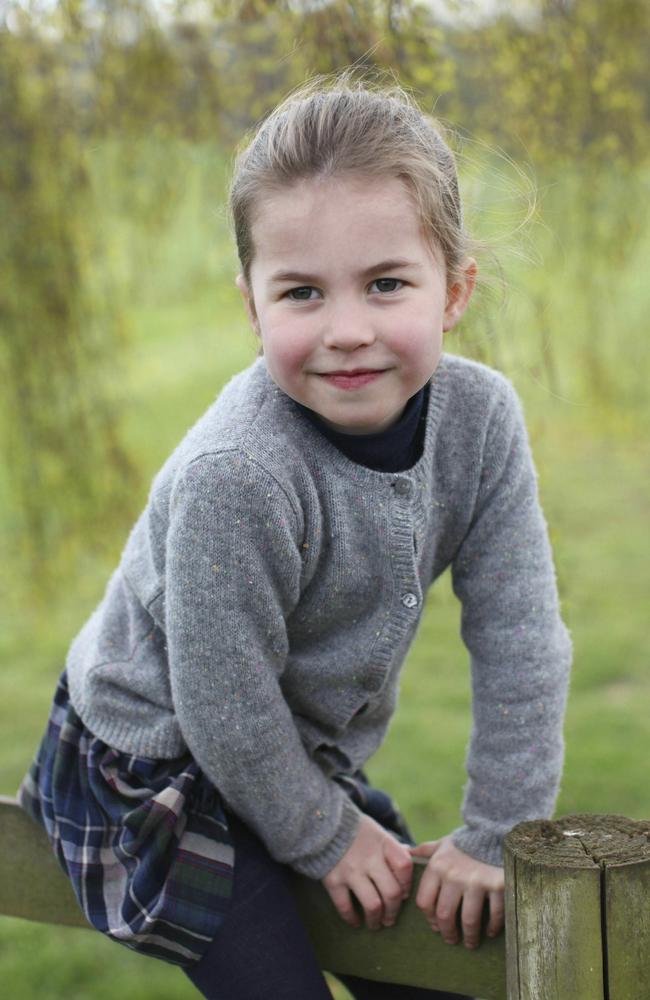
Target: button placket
{"points": [[403, 488]]}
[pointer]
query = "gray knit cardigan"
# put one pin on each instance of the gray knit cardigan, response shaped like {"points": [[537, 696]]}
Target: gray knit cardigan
{"points": [[268, 594]]}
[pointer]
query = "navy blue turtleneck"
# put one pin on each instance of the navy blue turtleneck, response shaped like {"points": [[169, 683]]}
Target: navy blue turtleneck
{"points": [[393, 450]]}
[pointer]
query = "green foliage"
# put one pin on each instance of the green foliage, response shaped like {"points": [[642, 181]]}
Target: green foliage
{"points": [[60, 330], [559, 81], [566, 82], [103, 108]]}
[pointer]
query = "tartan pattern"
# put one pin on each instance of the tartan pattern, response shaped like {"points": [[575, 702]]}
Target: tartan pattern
{"points": [[145, 843]]}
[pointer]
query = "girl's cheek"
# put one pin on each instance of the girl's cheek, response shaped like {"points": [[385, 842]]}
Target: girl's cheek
{"points": [[290, 346]]}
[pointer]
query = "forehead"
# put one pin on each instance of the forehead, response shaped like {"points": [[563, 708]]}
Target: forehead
{"points": [[316, 217]]}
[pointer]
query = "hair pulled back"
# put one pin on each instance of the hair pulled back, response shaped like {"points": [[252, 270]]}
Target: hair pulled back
{"points": [[332, 127]]}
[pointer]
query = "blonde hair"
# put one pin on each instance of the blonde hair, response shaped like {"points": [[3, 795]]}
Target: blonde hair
{"points": [[331, 127]]}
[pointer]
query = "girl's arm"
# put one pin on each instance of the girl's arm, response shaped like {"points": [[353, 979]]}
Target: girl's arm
{"points": [[232, 580], [519, 648], [520, 656]]}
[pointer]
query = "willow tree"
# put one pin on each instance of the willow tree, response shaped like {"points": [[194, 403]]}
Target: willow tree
{"points": [[60, 327], [565, 88], [562, 86]]}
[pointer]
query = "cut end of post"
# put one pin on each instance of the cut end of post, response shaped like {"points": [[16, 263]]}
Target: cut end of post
{"points": [[576, 885], [581, 841]]}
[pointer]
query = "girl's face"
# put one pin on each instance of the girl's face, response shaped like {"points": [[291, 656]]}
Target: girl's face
{"points": [[348, 299]]}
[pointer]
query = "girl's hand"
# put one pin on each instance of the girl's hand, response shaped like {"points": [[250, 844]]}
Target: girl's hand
{"points": [[378, 870], [452, 879]]}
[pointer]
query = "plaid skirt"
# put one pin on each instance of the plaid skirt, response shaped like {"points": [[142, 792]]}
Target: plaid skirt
{"points": [[146, 843]]}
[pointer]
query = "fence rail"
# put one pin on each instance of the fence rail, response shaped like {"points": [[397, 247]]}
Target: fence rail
{"points": [[577, 914]]}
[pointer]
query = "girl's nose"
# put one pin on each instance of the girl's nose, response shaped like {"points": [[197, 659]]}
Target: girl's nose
{"points": [[347, 329]]}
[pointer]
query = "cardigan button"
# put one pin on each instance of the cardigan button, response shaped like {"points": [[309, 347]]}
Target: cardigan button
{"points": [[402, 487], [409, 600]]}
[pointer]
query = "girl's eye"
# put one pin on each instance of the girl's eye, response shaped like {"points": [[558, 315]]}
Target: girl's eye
{"points": [[302, 294], [387, 284]]}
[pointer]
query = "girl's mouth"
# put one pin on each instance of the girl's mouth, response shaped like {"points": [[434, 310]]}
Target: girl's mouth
{"points": [[352, 380]]}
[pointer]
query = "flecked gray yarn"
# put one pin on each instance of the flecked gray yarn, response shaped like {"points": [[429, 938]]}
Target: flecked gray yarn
{"points": [[268, 594]]}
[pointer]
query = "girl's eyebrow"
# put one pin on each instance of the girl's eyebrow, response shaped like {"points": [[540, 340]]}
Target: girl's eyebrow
{"points": [[302, 278]]}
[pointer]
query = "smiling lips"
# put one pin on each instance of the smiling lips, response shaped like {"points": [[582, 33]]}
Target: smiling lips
{"points": [[354, 379]]}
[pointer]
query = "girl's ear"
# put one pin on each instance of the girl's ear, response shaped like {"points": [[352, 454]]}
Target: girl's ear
{"points": [[459, 294], [242, 285]]}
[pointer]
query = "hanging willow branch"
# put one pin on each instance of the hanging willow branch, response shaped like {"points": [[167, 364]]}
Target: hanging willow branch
{"points": [[59, 329]]}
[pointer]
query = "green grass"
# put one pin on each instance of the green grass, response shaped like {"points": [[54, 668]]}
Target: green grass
{"points": [[593, 459]]}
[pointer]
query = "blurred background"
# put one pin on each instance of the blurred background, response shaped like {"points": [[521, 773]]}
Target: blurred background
{"points": [[119, 323]]}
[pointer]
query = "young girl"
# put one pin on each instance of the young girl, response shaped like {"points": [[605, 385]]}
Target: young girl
{"points": [[217, 708]]}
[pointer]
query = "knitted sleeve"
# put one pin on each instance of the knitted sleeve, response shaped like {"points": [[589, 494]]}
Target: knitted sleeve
{"points": [[519, 648], [233, 573]]}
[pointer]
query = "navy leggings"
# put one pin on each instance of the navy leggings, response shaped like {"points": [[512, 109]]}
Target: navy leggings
{"points": [[262, 951]]}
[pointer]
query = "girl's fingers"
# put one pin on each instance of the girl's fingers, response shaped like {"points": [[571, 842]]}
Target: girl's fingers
{"points": [[496, 921], [471, 914], [453, 880], [371, 902], [391, 894], [449, 898], [425, 850], [400, 864], [342, 900], [427, 896]]}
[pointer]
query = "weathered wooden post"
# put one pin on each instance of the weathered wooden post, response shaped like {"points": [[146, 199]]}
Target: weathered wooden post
{"points": [[578, 909]]}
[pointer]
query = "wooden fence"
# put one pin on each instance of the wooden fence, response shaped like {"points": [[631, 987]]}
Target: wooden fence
{"points": [[577, 915]]}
